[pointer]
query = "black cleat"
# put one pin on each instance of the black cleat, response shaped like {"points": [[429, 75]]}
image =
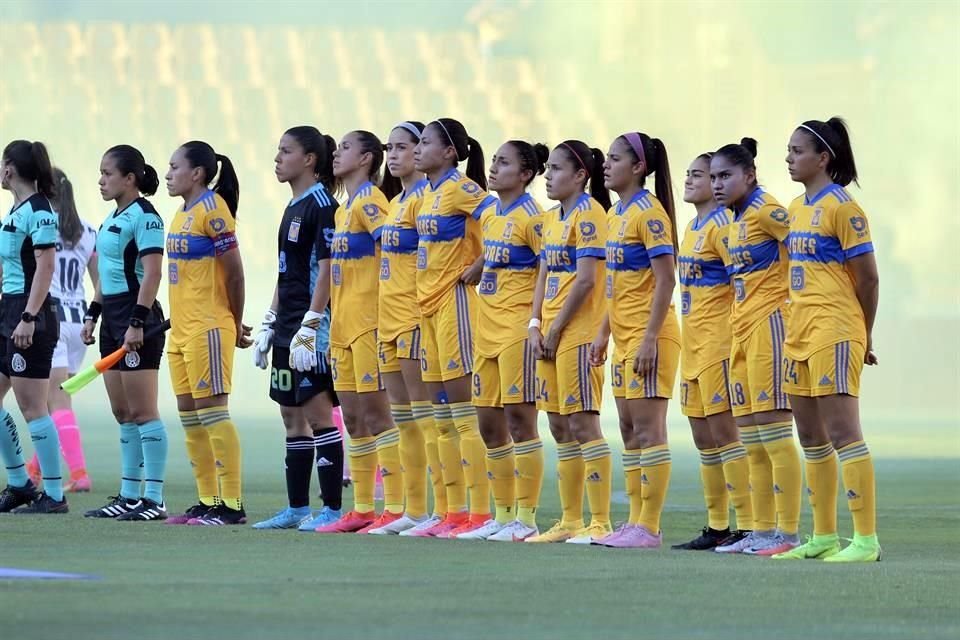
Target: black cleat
{"points": [[707, 540], [221, 515], [13, 497], [44, 504], [145, 510], [117, 506]]}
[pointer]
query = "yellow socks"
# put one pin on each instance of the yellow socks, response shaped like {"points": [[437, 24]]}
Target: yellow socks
{"points": [[423, 416], [633, 473], [777, 440], [570, 473], [736, 473], [363, 470], [413, 461], [473, 455], [822, 476], [598, 469], [529, 479], [202, 461], [388, 456], [761, 480], [500, 469], [656, 465], [858, 480], [225, 442], [448, 450], [714, 489]]}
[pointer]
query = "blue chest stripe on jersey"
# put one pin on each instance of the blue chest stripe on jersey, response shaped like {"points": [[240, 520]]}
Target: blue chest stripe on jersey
{"points": [[186, 246], [505, 255], [627, 257], [695, 272], [441, 228], [560, 258], [748, 258], [353, 246], [398, 239], [804, 246]]}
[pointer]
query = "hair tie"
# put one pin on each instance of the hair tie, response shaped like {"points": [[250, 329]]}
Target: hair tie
{"points": [[636, 143], [820, 137], [449, 138], [577, 156], [412, 129]]}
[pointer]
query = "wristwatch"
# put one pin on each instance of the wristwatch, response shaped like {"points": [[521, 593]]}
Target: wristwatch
{"points": [[26, 316]]}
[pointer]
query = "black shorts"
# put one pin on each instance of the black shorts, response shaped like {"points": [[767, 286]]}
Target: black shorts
{"points": [[290, 388], [114, 323], [33, 362]]}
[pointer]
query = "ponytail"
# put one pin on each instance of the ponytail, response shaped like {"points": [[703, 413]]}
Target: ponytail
{"points": [[228, 186], [598, 191], [663, 186], [71, 229], [466, 147], [476, 165], [128, 160], [32, 163], [832, 137], [533, 157], [200, 154]]}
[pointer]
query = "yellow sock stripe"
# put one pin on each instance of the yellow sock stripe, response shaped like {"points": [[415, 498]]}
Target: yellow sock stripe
{"points": [[462, 410], [853, 452], [774, 432], [401, 413], [819, 453], [732, 451], [655, 455], [522, 448], [387, 438], [632, 459], [710, 457], [750, 435], [500, 452], [595, 450], [209, 417], [362, 446], [441, 411], [568, 450], [189, 419], [421, 410]]}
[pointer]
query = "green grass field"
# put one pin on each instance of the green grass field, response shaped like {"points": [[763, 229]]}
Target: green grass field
{"points": [[158, 581]]}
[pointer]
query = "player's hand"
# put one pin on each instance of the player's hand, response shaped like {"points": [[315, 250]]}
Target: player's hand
{"points": [[86, 332], [243, 336], [646, 358], [536, 342], [598, 350], [303, 347], [23, 334], [133, 338], [870, 358], [551, 342], [472, 275], [264, 340]]}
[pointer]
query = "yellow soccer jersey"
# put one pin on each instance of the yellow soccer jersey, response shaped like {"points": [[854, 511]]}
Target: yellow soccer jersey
{"points": [[567, 237], [200, 232], [355, 265], [511, 255], [705, 293], [399, 309], [449, 237], [638, 231], [758, 261], [825, 232]]}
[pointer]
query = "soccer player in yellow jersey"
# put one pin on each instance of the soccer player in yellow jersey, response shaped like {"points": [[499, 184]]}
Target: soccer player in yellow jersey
{"points": [[504, 373], [705, 299], [206, 313], [354, 352], [758, 269], [449, 263], [641, 246], [398, 334], [834, 288], [568, 308]]}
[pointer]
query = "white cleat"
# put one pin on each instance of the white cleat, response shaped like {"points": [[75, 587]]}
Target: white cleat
{"points": [[515, 531], [414, 532], [740, 545], [489, 528], [398, 526]]}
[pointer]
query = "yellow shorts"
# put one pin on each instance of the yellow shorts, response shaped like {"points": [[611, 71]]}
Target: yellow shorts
{"points": [[827, 372], [708, 394], [508, 378], [354, 368], [656, 384], [569, 384], [203, 366], [405, 346], [756, 369], [446, 346]]}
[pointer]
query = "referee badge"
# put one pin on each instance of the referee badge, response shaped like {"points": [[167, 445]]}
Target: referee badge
{"points": [[132, 360]]}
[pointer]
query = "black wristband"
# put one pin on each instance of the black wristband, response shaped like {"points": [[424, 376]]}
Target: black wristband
{"points": [[93, 312], [139, 316]]}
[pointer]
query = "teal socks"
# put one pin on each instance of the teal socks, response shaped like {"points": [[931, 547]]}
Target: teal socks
{"points": [[153, 439], [131, 461], [46, 442], [11, 452]]}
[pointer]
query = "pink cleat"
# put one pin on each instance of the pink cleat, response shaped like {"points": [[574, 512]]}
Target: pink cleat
{"points": [[633, 536], [79, 482]]}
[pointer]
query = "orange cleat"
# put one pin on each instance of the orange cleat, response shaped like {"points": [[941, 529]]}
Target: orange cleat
{"points": [[475, 521], [382, 520], [350, 523], [445, 526]]}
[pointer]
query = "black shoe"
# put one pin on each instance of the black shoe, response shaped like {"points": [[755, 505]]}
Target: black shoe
{"points": [[45, 504], [222, 515], [117, 506], [708, 539], [13, 497], [346, 483], [145, 510]]}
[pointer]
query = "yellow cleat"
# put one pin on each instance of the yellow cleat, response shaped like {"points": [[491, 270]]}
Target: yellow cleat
{"points": [[559, 532], [591, 534]]}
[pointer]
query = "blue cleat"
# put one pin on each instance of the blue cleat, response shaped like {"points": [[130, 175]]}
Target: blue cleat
{"points": [[289, 518], [325, 517]]}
